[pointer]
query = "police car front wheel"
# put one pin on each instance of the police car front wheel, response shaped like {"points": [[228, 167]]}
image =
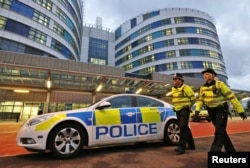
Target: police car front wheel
{"points": [[66, 140]]}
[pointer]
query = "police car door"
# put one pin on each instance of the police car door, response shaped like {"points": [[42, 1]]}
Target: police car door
{"points": [[149, 119], [116, 123]]}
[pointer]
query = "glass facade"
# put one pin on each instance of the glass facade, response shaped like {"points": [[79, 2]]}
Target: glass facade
{"points": [[169, 44], [143, 30], [98, 51], [34, 24]]}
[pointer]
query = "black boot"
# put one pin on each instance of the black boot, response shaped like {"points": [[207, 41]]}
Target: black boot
{"points": [[179, 150], [190, 147]]}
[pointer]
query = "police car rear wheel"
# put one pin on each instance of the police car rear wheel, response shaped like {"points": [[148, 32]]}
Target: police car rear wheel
{"points": [[66, 140], [172, 133]]}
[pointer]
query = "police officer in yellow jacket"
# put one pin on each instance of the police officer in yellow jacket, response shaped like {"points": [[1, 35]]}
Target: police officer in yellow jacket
{"points": [[183, 99], [214, 95]]}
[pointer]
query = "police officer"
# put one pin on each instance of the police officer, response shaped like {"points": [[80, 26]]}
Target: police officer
{"points": [[183, 99], [214, 95]]}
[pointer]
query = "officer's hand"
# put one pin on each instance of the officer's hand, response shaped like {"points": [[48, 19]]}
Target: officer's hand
{"points": [[243, 116], [197, 113]]}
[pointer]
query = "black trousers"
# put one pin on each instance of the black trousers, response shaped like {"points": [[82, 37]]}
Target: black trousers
{"points": [[186, 136], [219, 118]]}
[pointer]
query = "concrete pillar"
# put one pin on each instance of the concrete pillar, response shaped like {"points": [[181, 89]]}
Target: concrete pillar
{"points": [[93, 98], [46, 104]]}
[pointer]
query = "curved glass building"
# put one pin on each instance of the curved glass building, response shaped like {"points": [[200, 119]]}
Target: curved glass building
{"points": [[51, 28], [168, 41]]}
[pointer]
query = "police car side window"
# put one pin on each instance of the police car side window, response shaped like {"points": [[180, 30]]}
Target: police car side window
{"points": [[120, 102], [146, 102]]}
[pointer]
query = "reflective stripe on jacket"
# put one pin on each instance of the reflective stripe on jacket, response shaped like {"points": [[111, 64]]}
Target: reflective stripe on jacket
{"points": [[182, 97], [217, 94]]}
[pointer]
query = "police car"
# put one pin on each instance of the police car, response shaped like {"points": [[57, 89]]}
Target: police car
{"points": [[118, 119], [203, 115]]}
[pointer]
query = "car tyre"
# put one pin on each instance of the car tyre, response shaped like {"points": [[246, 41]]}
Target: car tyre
{"points": [[66, 140], [172, 132]]}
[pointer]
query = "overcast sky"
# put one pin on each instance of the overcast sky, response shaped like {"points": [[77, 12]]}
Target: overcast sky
{"points": [[232, 20]]}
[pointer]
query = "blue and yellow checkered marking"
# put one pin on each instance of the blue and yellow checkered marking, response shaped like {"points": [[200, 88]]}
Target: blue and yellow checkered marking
{"points": [[150, 115], [168, 113], [50, 122], [125, 119], [113, 116], [131, 115], [86, 116], [153, 114], [107, 117]]}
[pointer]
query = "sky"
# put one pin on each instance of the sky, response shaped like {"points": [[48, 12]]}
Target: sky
{"points": [[232, 20]]}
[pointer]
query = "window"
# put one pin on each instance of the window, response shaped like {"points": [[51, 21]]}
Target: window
{"points": [[160, 68], [98, 49], [2, 22], [171, 66], [182, 41], [121, 102], [146, 102], [178, 19], [141, 31], [22, 9], [142, 40], [193, 41], [16, 27], [58, 29], [66, 20], [133, 22], [57, 46], [118, 34], [69, 8], [159, 56], [180, 30], [97, 61], [128, 67], [37, 36], [170, 54], [197, 64], [168, 32], [147, 70], [12, 46], [41, 18], [151, 14], [5, 4], [47, 4], [186, 65]]}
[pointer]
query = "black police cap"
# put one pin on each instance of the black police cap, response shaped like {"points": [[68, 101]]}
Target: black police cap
{"points": [[209, 70], [178, 76]]}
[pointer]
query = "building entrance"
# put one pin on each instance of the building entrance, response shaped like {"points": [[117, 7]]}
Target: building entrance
{"points": [[11, 110]]}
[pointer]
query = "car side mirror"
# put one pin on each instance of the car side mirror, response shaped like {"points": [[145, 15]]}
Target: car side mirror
{"points": [[103, 105]]}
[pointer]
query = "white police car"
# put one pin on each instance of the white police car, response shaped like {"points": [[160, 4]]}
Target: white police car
{"points": [[118, 119]]}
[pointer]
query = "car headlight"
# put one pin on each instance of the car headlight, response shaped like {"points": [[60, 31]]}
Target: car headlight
{"points": [[38, 119]]}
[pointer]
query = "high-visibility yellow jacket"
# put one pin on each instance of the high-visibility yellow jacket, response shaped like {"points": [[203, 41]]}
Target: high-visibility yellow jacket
{"points": [[215, 94], [183, 97]]}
